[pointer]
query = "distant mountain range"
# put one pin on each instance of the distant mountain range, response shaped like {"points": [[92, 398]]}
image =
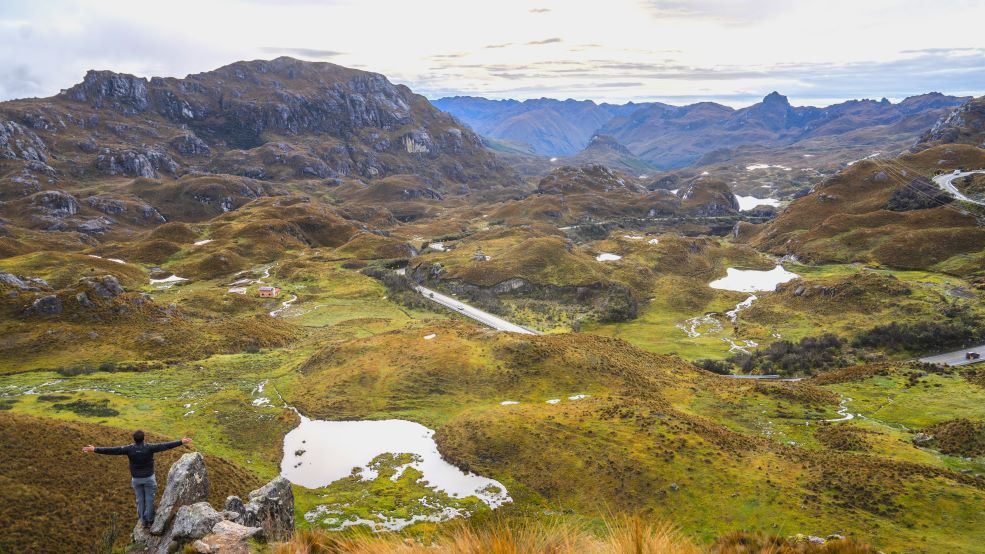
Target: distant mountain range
{"points": [[670, 137]]}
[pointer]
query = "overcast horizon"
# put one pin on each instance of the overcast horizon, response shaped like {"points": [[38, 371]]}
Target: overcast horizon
{"points": [[680, 52]]}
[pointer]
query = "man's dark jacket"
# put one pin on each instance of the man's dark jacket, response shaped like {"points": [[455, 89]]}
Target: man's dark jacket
{"points": [[141, 455]]}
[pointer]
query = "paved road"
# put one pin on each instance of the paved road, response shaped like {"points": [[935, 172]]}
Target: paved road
{"points": [[946, 182], [957, 357], [474, 313]]}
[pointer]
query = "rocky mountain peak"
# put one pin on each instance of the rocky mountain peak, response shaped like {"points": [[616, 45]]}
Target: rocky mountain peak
{"points": [[776, 99], [123, 92], [264, 119]]}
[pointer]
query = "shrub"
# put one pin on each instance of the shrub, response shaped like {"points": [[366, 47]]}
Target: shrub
{"points": [[720, 367], [87, 408], [783, 357], [923, 336]]}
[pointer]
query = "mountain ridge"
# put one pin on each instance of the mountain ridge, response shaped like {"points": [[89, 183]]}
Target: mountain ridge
{"points": [[677, 136], [268, 120]]}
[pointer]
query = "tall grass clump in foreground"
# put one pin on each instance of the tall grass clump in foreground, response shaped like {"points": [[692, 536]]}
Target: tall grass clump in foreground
{"points": [[630, 535]]}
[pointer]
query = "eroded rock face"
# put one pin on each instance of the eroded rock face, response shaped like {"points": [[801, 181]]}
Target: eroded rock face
{"points": [[56, 203], [188, 483], [20, 143], [125, 93], [137, 162], [271, 508]]}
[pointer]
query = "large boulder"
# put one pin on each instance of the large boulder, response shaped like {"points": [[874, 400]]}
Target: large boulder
{"points": [[271, 507], [227, 537], [194, 521], [45, 306], [188, 483], [55, 203]]}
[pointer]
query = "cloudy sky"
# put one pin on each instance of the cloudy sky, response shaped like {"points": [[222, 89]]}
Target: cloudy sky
{"points": [[679, 51]]}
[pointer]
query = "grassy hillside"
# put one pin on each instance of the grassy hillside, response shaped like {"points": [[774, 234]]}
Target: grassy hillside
{"points": [[853, 217], [57, 499]]}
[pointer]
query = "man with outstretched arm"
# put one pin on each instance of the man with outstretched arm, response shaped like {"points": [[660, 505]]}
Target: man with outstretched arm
{"points": [[142, 479]]}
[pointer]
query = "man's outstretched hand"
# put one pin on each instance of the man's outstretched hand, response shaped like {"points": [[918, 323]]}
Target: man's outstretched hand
{"points": [[186, 440], [89, 449]]}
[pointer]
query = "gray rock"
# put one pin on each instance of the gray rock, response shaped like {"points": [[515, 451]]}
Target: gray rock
{"points": [[227, 537], [190, 145], [271, 508], [194, 522], [20, 143], [235, 531], [188, 483], [95, 226], [12, 280], [56, 203], [83, 300], [46, 305], [150, 213], [235, 504], [106, 204], [139, 162], [105, 287], [122, 92], [921, 439]]}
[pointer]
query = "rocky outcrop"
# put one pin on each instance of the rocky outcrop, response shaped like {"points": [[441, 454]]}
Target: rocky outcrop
{"points": [[964, 125], [709, 198], [20, 143], [55, 203], [184, 516], [137, 162], [188, 483], [329, 121], [119, 91], [31, 284], [104, 287], [270, 508], [227, 537], [45, 306]]}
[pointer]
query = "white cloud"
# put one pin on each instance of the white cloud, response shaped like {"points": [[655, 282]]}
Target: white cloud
{"points": [[730, 50]]}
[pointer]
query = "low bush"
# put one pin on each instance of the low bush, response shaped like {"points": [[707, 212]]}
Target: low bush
{"points": [[87, 408], [806, 357], [923, 336]]}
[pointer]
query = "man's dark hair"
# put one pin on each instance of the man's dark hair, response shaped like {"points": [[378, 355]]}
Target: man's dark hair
{"points": [[138, 436]]}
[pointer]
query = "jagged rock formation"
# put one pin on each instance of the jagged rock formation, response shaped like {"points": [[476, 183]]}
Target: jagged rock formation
{"points": [[188, 483], [185, 517], [965, 125], [271, 508], [276, 119]]}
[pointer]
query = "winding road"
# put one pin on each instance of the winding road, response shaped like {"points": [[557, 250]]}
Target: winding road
{"points": [[946, 183], [474, 313], [957, 357]]}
